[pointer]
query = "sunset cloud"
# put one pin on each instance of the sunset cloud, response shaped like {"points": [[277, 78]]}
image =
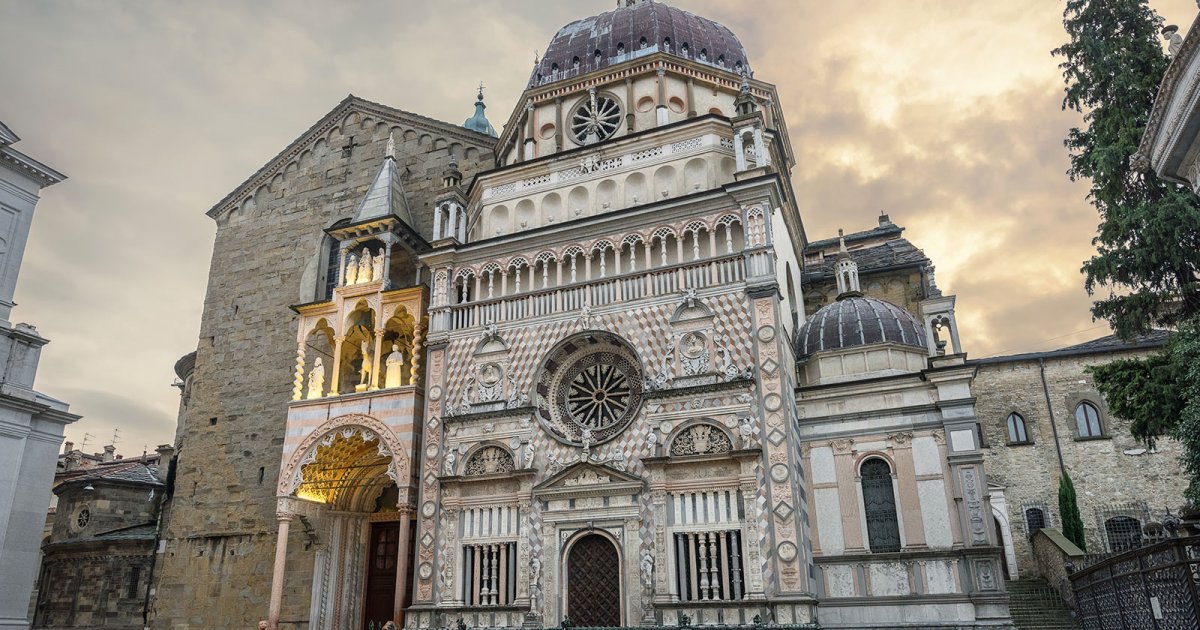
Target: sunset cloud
{"points": [[947, 115]]}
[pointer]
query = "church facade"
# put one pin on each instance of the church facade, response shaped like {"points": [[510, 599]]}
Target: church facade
{"points": [[588, 370]]}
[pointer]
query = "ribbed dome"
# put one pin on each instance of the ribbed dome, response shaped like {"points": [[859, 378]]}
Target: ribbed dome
{"points": [[858, 321], [633, 31]]}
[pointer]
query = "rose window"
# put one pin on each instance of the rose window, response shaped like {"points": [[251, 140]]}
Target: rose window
{"points": [[82, 518], [595, 119], [590, 389]]}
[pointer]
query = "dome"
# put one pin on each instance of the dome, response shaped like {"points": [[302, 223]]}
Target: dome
{"points": [[641, 27], [858, 321], [479, 122]]}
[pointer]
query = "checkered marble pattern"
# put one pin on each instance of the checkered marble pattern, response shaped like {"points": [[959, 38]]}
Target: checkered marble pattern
{"points": [[646, 327]]}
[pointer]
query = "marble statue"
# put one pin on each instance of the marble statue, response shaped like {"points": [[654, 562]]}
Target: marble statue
{"points": [[351, 276], [364, 266], [528, 454], [648, 570], [365, 370], [747, 431], [377, 266], [316, 380], [395, 364], [451, 455]]}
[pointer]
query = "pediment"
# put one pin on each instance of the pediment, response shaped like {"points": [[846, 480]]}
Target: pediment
{"points": [[589, 478], [350, 106]]}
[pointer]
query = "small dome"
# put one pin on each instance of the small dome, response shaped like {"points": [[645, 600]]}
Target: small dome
{"points": [[638, 28], [858, 321], [479, 122]]}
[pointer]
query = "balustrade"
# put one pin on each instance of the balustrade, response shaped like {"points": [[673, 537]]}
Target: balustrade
{"points": [[659, 281]]}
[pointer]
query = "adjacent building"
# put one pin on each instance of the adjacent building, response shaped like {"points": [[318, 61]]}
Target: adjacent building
{"points": [[31, 423]]}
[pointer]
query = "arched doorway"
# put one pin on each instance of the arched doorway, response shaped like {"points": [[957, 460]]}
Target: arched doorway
{"points": [[594, 582]]}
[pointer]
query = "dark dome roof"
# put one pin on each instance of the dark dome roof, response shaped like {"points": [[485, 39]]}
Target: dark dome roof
{"points": [[858, 321], [632, 31]]}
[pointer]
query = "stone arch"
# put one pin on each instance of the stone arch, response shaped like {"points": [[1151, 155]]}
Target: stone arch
{"points": [[607, 196], [697, 175], [551, 208], [488, 458], [578, 203], [635, 190], [666, 183], [702, 436], [526, 215], [367, 428]]}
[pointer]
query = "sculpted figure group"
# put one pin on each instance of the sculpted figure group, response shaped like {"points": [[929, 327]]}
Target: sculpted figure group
{"points": [[363, 268]]}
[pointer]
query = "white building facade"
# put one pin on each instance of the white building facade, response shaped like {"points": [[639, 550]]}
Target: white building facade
{"points": [[31, 423]]}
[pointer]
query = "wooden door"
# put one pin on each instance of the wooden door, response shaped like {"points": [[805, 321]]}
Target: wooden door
{"points": [[381, 575], [594, 583]]}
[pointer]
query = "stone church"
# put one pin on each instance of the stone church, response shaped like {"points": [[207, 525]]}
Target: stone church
{"points": [[589, 368]]}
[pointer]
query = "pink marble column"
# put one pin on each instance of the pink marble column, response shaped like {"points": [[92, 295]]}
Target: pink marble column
{"points": [[285, 521]]}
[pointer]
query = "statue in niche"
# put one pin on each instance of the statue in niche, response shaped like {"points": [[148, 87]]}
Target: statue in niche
{"points": [[747, 432], [364, 266], [316, 380], [648, 570], [351, 276], [377, 266], [451, 455], [365, 370], [528, 455], [395, 364]]}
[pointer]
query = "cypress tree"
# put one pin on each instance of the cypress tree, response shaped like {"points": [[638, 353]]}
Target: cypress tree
{"points": [[1148, 246], [1068, 508]]}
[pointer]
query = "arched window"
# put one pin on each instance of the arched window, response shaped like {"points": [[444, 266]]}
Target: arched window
{"points": [[1035, 519], [879, 505], [1017, 433], [1087, 420], [1123, 533]]}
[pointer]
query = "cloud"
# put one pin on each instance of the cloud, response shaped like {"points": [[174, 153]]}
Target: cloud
{"points": [[945, 114]]}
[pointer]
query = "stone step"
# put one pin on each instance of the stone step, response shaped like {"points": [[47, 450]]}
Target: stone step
{"points": [[1035, 606]]}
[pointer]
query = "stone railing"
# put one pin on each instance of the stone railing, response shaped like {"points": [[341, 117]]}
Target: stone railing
{"points": [[1052, 551], [660, 281]]}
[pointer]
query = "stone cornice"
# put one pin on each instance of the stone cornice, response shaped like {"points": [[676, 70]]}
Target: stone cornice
{"points": [[334, 118], [25, 164], [1176, 72]]}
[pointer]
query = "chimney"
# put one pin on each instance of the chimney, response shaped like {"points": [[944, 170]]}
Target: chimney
{"points": [[165, 452], [884, 219], [110, 453], [68, 447]]}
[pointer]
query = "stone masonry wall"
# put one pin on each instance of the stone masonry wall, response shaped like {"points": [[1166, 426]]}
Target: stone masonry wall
{"points": [[220, 532], [1110, 477]]}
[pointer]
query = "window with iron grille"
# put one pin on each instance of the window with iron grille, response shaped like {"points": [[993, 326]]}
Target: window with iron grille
{"points": [[1017, 432], [135, 578], [1087, 420], [708, 565], [1123, 533], [1035, 519], [490, 574], [879, 505]]}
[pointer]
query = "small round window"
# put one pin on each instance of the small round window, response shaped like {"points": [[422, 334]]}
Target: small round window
{"points": [[595, 119], [83, 516]]}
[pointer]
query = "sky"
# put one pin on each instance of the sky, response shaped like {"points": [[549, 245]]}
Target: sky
{"points": [[944, 114]]}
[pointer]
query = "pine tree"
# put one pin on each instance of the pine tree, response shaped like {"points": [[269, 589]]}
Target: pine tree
{"points": [[1068, 508], [1148, 245]]}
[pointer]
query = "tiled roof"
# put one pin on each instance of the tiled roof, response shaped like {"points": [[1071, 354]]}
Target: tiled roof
{"points": [[1108, 343], [892, 253], [616, 36], [858, 321], [133, 471], [1113, 342]]}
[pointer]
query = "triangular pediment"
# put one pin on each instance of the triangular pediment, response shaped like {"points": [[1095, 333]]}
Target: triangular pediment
{"points": [[320, 130], [588, 476]]}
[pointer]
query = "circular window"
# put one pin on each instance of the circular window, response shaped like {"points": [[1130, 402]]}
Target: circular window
{"points": [[81, 518], [590, 389], [594, 119]]}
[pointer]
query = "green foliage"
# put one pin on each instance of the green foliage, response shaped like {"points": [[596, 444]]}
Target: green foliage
{"points": [[1068, 508], [1148, 245], [1185, 351], [1145, 391]]}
